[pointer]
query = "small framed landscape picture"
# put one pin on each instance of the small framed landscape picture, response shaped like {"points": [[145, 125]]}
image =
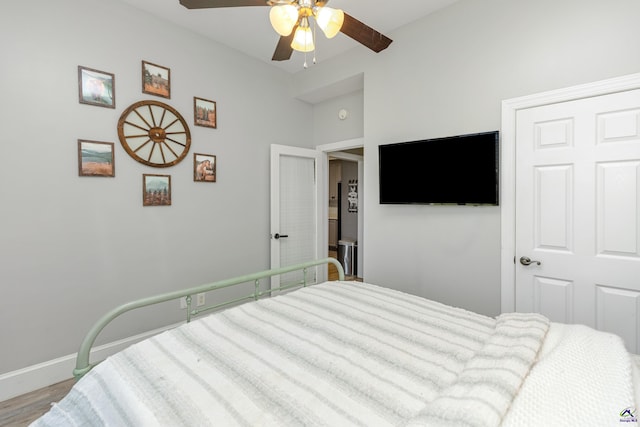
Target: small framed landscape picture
{"points": [[204, 168], [96, 87], [204, 112], [96, 158], [156, 190], [156, 80]]}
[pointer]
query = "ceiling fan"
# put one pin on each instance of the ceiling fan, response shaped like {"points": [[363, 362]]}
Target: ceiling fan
{"points": [[290, 19]]}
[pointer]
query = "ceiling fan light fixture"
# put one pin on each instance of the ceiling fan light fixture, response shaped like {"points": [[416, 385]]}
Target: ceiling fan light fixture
{"points": [[303, 37], [283, 18], [329, 20]]}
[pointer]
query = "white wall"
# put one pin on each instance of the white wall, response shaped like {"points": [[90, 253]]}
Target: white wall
{"points": [[73, 247], [328, 127], [447, 74]]}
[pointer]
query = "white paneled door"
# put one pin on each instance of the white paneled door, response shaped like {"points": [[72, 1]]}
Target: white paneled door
{"points": [[294, 209], [577, 221]]}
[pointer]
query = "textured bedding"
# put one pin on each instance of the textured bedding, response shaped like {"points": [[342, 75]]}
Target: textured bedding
{"points": [[347, 353]]}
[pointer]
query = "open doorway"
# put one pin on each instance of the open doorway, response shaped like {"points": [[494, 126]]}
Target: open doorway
{"points": [[344, 215]]}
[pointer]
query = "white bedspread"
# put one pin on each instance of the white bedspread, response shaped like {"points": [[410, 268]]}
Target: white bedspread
{"points": [[583, 378], [341, 354]]}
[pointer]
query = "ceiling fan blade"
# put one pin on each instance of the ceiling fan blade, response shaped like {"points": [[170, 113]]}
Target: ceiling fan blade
{"points": [[364, 34], [206, 4], [283, 48]]}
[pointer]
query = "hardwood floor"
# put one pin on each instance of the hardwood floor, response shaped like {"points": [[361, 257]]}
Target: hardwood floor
{"points": [[333, 272], [22, 410]]}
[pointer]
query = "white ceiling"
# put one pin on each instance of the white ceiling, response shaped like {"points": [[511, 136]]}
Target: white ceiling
{"points": [[248, 30]]}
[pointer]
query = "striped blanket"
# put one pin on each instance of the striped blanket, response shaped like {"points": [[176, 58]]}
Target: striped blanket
{"points": [[334, 354]]}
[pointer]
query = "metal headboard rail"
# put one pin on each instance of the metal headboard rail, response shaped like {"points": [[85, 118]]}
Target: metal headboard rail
{"points": [[82, 361], [256, 295]]}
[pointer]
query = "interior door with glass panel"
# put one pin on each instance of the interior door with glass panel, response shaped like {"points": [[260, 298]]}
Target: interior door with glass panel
{"points": [[578, 213], [295, 202]]}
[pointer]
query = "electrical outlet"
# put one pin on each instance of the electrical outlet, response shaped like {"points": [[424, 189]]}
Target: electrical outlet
{"points": [[200, 299], [183, 303]]}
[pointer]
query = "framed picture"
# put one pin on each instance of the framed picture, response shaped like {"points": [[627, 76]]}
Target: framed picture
{"points": [[96, 87], [156, 190], [156, 80], [204, 167], [96, 158], [204, 112]]}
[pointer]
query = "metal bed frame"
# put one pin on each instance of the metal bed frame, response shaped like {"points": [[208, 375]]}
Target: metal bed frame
{"points": [[82, 361]]}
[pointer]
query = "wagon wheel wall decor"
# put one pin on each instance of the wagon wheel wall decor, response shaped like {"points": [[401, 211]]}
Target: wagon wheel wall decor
{"points": [[154, 133]]}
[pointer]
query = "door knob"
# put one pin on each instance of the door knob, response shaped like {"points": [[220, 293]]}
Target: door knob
{"points": [[525, 260], [278, 236]]}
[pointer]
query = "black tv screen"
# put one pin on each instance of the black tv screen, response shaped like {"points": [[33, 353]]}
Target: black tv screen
{"points": [[460, 170]]}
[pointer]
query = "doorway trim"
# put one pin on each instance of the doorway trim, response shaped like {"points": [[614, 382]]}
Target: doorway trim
{"points": [[323, 215], [510, 108]]}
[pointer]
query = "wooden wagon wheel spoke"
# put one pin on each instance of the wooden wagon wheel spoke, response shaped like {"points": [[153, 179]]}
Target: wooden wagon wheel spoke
{"points": [[168, 148], [144, 119], [176, 142], [142, 145], [145, 129], [170, 124], [159, 146]]}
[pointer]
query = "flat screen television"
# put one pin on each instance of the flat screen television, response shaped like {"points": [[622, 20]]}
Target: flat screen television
{"points": [[460, 170]]}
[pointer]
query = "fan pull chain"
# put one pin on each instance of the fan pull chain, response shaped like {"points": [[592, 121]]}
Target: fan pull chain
{"points": [[305, 51], [315, 40]]}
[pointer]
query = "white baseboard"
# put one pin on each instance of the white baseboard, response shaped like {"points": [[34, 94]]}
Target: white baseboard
{"points": [[25, 380]]}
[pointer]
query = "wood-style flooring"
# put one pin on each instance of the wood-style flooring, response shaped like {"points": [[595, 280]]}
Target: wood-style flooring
{"points": [[333, 272], [23, 410]]}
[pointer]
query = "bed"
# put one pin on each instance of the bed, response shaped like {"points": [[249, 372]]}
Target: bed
{"points": [[347, 353]]}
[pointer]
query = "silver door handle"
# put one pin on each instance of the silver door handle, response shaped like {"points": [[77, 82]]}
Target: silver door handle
{"points": [[525, 260]]}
